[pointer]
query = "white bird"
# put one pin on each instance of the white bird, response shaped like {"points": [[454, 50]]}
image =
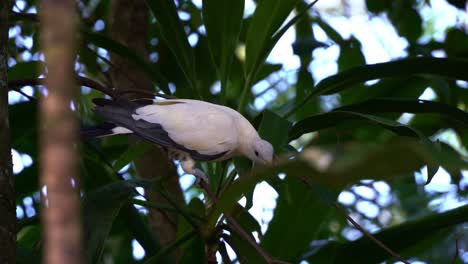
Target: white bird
{"points": [[191, 130]]}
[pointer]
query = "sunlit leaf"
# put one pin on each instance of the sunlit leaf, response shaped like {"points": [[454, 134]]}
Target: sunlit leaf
{"points": [[330, 174]]}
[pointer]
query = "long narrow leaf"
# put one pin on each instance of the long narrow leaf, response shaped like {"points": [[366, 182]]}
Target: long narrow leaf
{"points": [[398, 238], [443, 67], [111, 45], [259, 48], [100, 210], [333, 118], [389, 160], [172, 31], [223, 21], [268, 17], [389, 105]]}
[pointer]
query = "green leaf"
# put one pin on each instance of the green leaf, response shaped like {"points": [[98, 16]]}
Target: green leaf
{"points": [[377, 6], [267, 19], [297, 207], [244, 251], [26, 70], [24, 127], [274, 129], [100, 210], [333, 118], [134, 151], [127, 53], [274, 12], [443, 67], [246, 220], [365, 251], [192, 250], [448, 68], [29, 237], [350, 54], [389, 105], [330, 173], [172, 31], [223, 22], [407, 21]]}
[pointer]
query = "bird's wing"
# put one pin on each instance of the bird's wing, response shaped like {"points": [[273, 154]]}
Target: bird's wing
{"points": [[204, 128]]}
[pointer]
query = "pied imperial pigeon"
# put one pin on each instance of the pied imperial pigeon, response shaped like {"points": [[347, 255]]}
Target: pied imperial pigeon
{"points": [[191, 130]]}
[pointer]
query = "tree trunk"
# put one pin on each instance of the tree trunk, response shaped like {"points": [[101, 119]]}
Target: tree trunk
{"points": [[7, 190], [61, 219], [129, 26]]}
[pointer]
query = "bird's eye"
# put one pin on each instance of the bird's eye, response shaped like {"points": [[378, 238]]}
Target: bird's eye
{"points": [[256, 153]]}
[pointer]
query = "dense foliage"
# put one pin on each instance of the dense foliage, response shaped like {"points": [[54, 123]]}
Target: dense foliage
{"points": [[341, 138]]}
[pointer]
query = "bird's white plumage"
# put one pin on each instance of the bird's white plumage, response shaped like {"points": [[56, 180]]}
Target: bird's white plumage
{"points": [[206, 128], [190, 129]]}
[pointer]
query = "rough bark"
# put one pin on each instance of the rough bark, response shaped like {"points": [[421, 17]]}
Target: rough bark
{"points": [[61, 220], [7, 191], [129, 25]]}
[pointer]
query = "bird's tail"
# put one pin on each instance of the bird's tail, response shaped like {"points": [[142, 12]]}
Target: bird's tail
{"points": [[102, 130]]}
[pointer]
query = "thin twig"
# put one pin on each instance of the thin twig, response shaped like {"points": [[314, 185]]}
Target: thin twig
{"points": [[361, 229], [145, 92], [239, 230], [455, 257], [134, 90], [30, 98], [370, 236], [83, 81]]}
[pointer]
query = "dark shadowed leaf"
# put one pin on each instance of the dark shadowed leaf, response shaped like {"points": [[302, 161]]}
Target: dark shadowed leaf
{"points": [[297, 207], [193, 249], [24, 127], [131, 154], [334, 118], [274, 129], [101, 206], [388, 105], [399, 238], [442, 67], [26, 70], [448, 68], [245, 252]]}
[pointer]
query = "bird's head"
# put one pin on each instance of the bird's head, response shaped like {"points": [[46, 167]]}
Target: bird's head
{"points": [[261, 151]]}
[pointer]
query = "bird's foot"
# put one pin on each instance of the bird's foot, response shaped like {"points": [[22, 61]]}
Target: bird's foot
{"points": [[200, 178]]}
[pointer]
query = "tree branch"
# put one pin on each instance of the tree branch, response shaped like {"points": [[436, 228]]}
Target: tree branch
{"points": [[83, 81], [7, 189]]}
